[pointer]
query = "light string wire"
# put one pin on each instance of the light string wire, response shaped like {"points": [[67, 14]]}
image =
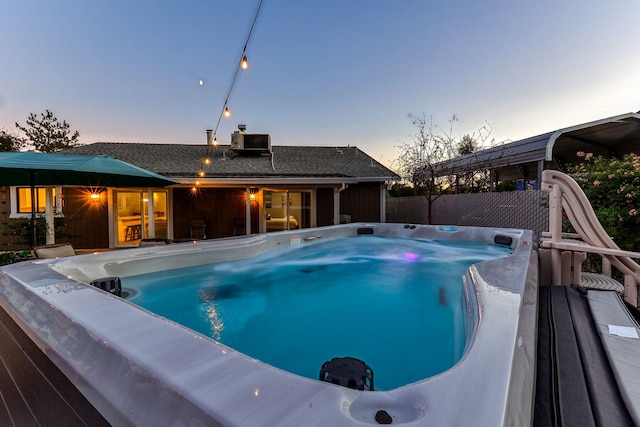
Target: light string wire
{"points": [[233, 82]]}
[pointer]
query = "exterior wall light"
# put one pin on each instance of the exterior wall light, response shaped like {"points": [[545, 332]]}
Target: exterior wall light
{"points": [[252, 193]]}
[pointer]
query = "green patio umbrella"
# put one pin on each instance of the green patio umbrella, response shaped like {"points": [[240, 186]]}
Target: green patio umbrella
{"points": [[30, 168]]}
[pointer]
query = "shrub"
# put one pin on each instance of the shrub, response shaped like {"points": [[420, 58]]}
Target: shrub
{"points": [[613, 188], [9, 257]]}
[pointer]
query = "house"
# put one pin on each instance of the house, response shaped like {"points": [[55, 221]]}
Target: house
{"points": [[222, 192]]}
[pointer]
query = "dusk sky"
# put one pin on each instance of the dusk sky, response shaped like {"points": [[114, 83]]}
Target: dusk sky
{"points": [[330, 73]]}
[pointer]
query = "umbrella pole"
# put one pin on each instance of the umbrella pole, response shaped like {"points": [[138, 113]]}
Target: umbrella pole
{"points": [[32, 183]]}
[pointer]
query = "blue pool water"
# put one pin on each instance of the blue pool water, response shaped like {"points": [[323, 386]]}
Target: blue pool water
{"points": [[395, 303]]}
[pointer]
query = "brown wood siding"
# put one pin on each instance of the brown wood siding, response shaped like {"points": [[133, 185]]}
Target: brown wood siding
{"points": [[361, 201], [324, 206], [33, 391], [219, 207], [86, 223]]}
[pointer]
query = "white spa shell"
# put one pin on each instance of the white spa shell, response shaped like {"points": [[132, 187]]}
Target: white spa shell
{"points": [[137, 368]]}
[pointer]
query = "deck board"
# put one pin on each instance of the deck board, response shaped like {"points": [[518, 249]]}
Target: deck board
{"points": [[574, 385], [33, 391]]}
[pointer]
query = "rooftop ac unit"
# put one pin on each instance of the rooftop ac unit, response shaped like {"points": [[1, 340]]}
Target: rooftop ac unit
{"points": [[241, 141]]}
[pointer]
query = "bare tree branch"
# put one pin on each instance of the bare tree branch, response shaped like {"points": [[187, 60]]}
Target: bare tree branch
{"points": [[431, 146]]}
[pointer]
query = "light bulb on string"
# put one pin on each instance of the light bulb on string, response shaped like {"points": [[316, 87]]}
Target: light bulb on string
{"points": [[201, 173], [226, 112]]}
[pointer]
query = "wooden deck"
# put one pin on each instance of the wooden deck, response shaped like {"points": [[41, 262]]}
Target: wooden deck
{"points": [[575, 384], [33, 391]]}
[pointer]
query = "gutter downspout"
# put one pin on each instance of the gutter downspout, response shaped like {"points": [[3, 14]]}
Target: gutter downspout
{"points": [[383, 202], [247, 211], [336, 202]]}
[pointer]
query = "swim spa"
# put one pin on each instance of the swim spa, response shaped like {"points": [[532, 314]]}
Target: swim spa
{"points": [[139, 368], [298, 306]]}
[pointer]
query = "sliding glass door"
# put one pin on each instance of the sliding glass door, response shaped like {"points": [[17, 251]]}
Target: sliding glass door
{"points": [[140, 215], [287, 210]]}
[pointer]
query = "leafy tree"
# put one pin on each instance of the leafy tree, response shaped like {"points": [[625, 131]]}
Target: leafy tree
{"points": [[47, 133], [467, 145], [613, 188], [9, 142], [473, 180], [400, 189]]}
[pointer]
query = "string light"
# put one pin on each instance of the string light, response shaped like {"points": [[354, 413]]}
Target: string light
{"points": [[212, 140]]}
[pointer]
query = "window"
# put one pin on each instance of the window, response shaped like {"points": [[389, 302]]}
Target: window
{"points": [[24, 199], [21, 201]]}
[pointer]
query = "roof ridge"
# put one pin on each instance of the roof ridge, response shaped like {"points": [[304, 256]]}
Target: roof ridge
{"points": [[222, 145]]}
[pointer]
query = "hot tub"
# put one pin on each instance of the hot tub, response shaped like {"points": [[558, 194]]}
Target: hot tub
{"points": [[138, 368]]}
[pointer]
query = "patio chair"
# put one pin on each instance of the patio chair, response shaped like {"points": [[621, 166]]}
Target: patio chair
{"points": [[57, 250], [568, 251], [198, 229], [239, 226]]}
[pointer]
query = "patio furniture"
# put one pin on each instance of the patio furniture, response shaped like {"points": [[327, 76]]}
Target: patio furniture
{"points": [[198, 229], [57, 250], [281, 224], [569, 251], [239, 226], [133, 232]]}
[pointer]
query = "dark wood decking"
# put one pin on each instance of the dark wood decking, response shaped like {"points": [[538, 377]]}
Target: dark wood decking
{"points": [[33, 391], [575, 384]]}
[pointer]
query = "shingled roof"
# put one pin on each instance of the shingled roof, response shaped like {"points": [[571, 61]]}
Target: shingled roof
{"points": [[184, 161]]}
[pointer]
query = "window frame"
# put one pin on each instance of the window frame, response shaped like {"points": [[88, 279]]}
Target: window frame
{"points": [[15, 213]]}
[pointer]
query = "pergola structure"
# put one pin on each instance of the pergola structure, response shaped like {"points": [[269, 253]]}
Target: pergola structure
{"points": [[527, 158]]}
